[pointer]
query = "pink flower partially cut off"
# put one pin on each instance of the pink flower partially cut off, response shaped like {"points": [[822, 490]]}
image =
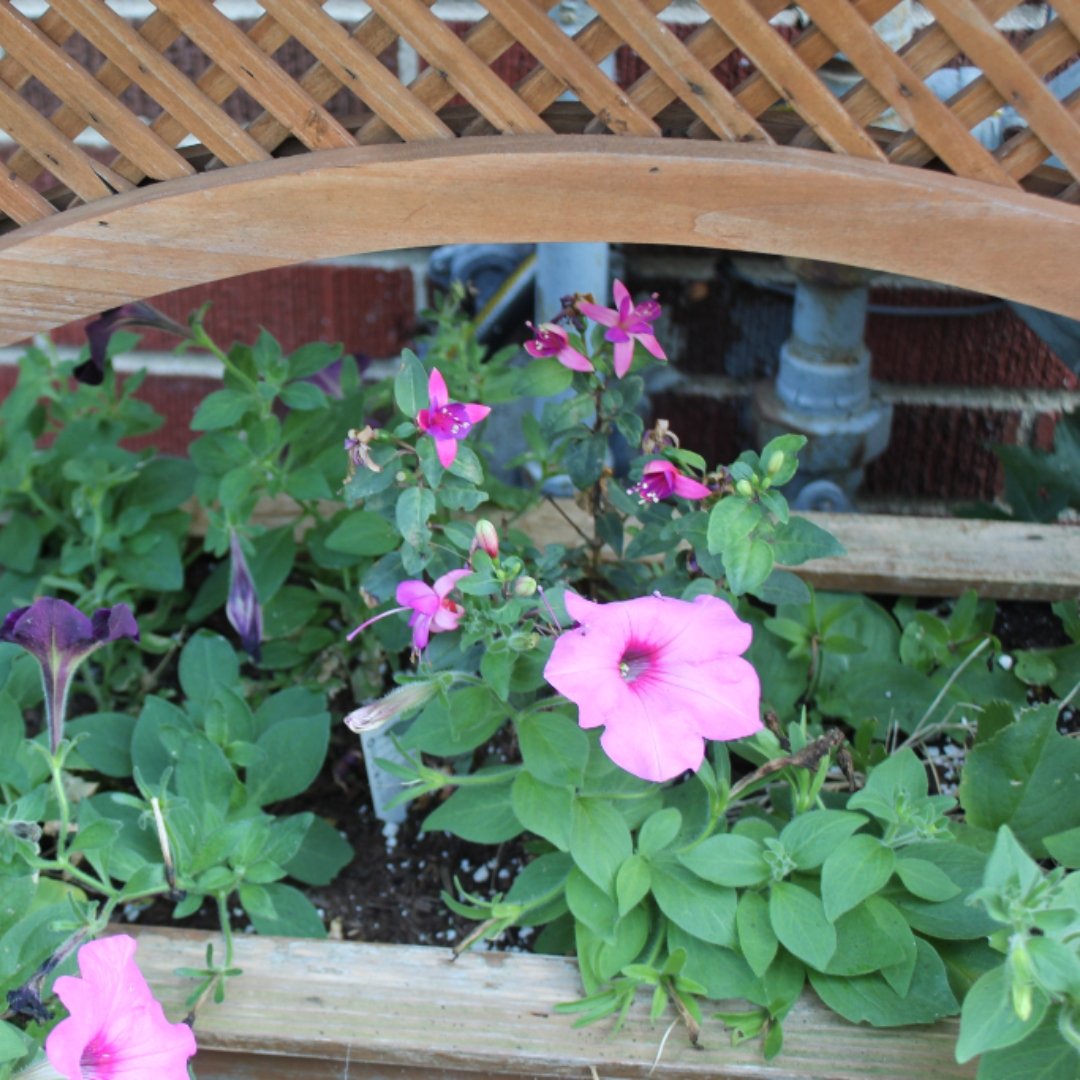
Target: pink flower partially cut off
{"points": [[660, 480], [446, 421], [661, 675], [116, 1029], [433, 612], [627, 323], [552, 340]]}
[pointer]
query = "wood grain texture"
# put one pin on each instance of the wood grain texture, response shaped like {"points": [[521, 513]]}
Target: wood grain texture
{"points": [[303, 1008], [551, 188]]}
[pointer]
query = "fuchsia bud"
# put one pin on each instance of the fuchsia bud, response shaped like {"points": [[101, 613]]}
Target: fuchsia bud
{"points": [[486, 539]]}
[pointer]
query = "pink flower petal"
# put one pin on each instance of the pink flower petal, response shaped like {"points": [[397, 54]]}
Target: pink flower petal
{"points": [[417, 595], [476, 413], [621, 293], [116, 1028], [624, 355], [689, 488], [446, 450], [438, 395], [652, 345], [445, 584], [604, 316]]}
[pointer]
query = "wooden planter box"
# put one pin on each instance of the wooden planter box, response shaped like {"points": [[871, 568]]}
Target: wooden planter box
{"points": [[316, 1010]]}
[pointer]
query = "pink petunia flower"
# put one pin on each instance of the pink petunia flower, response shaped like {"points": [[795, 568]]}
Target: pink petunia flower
{"points": [[116, 1030], [627, 323], [662, 676], [433, 612], [446, 421], [552, 340], [660, 479]]}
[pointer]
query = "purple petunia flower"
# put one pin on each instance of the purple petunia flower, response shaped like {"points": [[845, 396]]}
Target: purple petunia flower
{"points": [[61, 637], [243, 609], [101, 329]]}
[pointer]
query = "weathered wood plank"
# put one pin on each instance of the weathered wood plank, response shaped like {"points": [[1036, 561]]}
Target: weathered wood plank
{"points": [[913, 556], [385, 1008], [552, 188]]}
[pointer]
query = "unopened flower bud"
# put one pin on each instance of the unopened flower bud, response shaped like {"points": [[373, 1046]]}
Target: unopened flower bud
{"points": [[400, 700], [745, 488], [524, 641], [486, 539], [525, 586], [775, 462]]}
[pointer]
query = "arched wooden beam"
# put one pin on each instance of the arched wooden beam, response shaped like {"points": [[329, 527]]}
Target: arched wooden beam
{"points": [[538, 188]]}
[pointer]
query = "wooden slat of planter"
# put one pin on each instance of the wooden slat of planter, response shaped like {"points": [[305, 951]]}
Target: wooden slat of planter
{"points": [[914, 556], [558, 52], [794, 81], [144, 66], [256, 73], [465, 71], [20, 201], [1015, 81], [358, 69], [385, 1008], [86, 96], [684, 74], [915, 103]]}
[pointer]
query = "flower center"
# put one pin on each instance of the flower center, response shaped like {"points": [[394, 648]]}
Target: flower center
{"points": [[651, 488], [634, 664], [451, 421]]}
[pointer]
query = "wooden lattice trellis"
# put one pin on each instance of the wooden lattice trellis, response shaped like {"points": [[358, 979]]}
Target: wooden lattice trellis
{"points": [[776, 162]]}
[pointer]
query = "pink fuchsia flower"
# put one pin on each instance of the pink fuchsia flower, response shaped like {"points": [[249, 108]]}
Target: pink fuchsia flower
{"points": [[433, 612], [116, 1029], [660, 480], [446, 421], [627, 323], [552, 340], [661, 675]]}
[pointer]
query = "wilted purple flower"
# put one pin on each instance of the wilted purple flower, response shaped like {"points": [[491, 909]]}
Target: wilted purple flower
{"points": [[101, 329], [243, 609], [61, 637]]}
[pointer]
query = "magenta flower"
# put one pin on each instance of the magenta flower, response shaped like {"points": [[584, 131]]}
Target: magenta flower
{"points": [[552, 340], [61, 637], [660, 479], [433, 612], [661, 675], [117, 1029], [447, 422], [627, 323]]}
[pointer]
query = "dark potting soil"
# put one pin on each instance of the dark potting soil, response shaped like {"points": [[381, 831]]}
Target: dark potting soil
{"points": [[390, 892]]}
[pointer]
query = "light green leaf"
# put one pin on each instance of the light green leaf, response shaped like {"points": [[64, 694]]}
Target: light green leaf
{"points": [[728, 859], [798, 918], [988, 1020], [483, 814], [599, 840], [858, 868]]}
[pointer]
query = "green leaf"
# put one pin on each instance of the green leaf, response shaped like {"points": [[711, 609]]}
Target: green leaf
{"points": [[858, 868], [757, 939], [1024, 777], [925, 880], [543, 809], [988, 1020], [899, 778], [659, 830], [281, 910], [293, 751], [953, 919], [870, 999], [362, 532], [415, 505], [456, 724], [599, 840], [542, 377], [20, 543], [748, 563], [798, 919], [411, 385], [322, 855], [221, 409], [483, 814], [705, 910], [1064, 847], [731, 520], [159, 736], [874, 937], [497, 667], [303, 397], [811, 837], [312, 357], [728, 859], [801, 540], [591, 905], [554, 749], [632, 883], [207, 662], [1043, 1055], [107, 743], [13, 1042]]}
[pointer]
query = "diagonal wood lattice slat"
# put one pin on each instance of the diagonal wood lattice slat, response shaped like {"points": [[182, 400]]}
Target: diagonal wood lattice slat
{"points": [[105, 111]]}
